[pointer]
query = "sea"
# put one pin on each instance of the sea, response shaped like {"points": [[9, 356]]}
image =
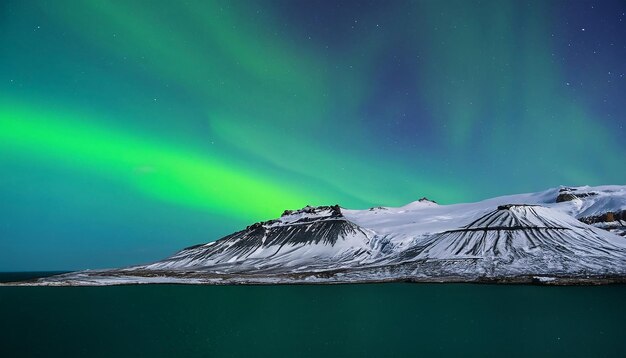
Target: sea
{"points": [[356, 320]]}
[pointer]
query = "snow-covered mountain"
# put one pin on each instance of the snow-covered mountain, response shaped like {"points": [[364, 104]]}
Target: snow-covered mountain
{"points": [[561, 235], [311, 238], [521, 239]]}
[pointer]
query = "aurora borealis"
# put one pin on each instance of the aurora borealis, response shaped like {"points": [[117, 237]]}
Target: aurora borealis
{"points": [[130, 129]]}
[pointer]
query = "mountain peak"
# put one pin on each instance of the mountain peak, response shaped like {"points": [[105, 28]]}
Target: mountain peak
{"points": [[425, 199], [510, 206], [514, 238], [424, 202], [332, 210], [568, 194]]}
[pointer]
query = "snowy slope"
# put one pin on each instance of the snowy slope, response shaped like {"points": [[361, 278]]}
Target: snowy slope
{"points": [[310, 238], [565, 234], [524, 239], [415, 220]]}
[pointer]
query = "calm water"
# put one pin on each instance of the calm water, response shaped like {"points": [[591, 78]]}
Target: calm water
{"points": [[378, 320]]}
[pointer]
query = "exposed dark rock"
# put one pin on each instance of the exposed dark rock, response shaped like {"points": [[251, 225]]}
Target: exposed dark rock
{"points": [[613, 221], [568, 195], [605, 218], [260, 224], [509, 206], [567, 189], [335, 210], [426, 199]]}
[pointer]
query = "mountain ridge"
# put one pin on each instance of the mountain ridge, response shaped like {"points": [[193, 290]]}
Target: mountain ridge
{"points": [[545, 236]]}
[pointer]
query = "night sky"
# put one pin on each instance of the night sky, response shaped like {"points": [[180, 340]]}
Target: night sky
{"points": [[131, 129]]}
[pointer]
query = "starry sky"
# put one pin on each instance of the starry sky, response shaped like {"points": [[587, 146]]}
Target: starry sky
{"points": [[130, 129]]}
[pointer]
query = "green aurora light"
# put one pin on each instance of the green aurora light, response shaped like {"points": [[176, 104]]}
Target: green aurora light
{"points": [[238, 110]]}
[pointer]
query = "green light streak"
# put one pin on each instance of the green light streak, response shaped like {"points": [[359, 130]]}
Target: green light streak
{"points": [[216, 55], [161, 171], [375, 181]]}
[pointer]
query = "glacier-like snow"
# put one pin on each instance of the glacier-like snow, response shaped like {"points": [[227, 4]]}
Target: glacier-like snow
{"points": [[561, 235]]}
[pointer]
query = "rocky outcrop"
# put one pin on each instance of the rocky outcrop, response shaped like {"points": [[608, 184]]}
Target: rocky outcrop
{"points": [[569, 194], [605, 218], [334, 210], [613, 221]]}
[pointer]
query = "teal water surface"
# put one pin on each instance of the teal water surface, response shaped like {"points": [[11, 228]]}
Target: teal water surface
{"points": [[375, 320]]}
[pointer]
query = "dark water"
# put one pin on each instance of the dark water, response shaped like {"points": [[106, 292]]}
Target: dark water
{"points": [[379, 320]]}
